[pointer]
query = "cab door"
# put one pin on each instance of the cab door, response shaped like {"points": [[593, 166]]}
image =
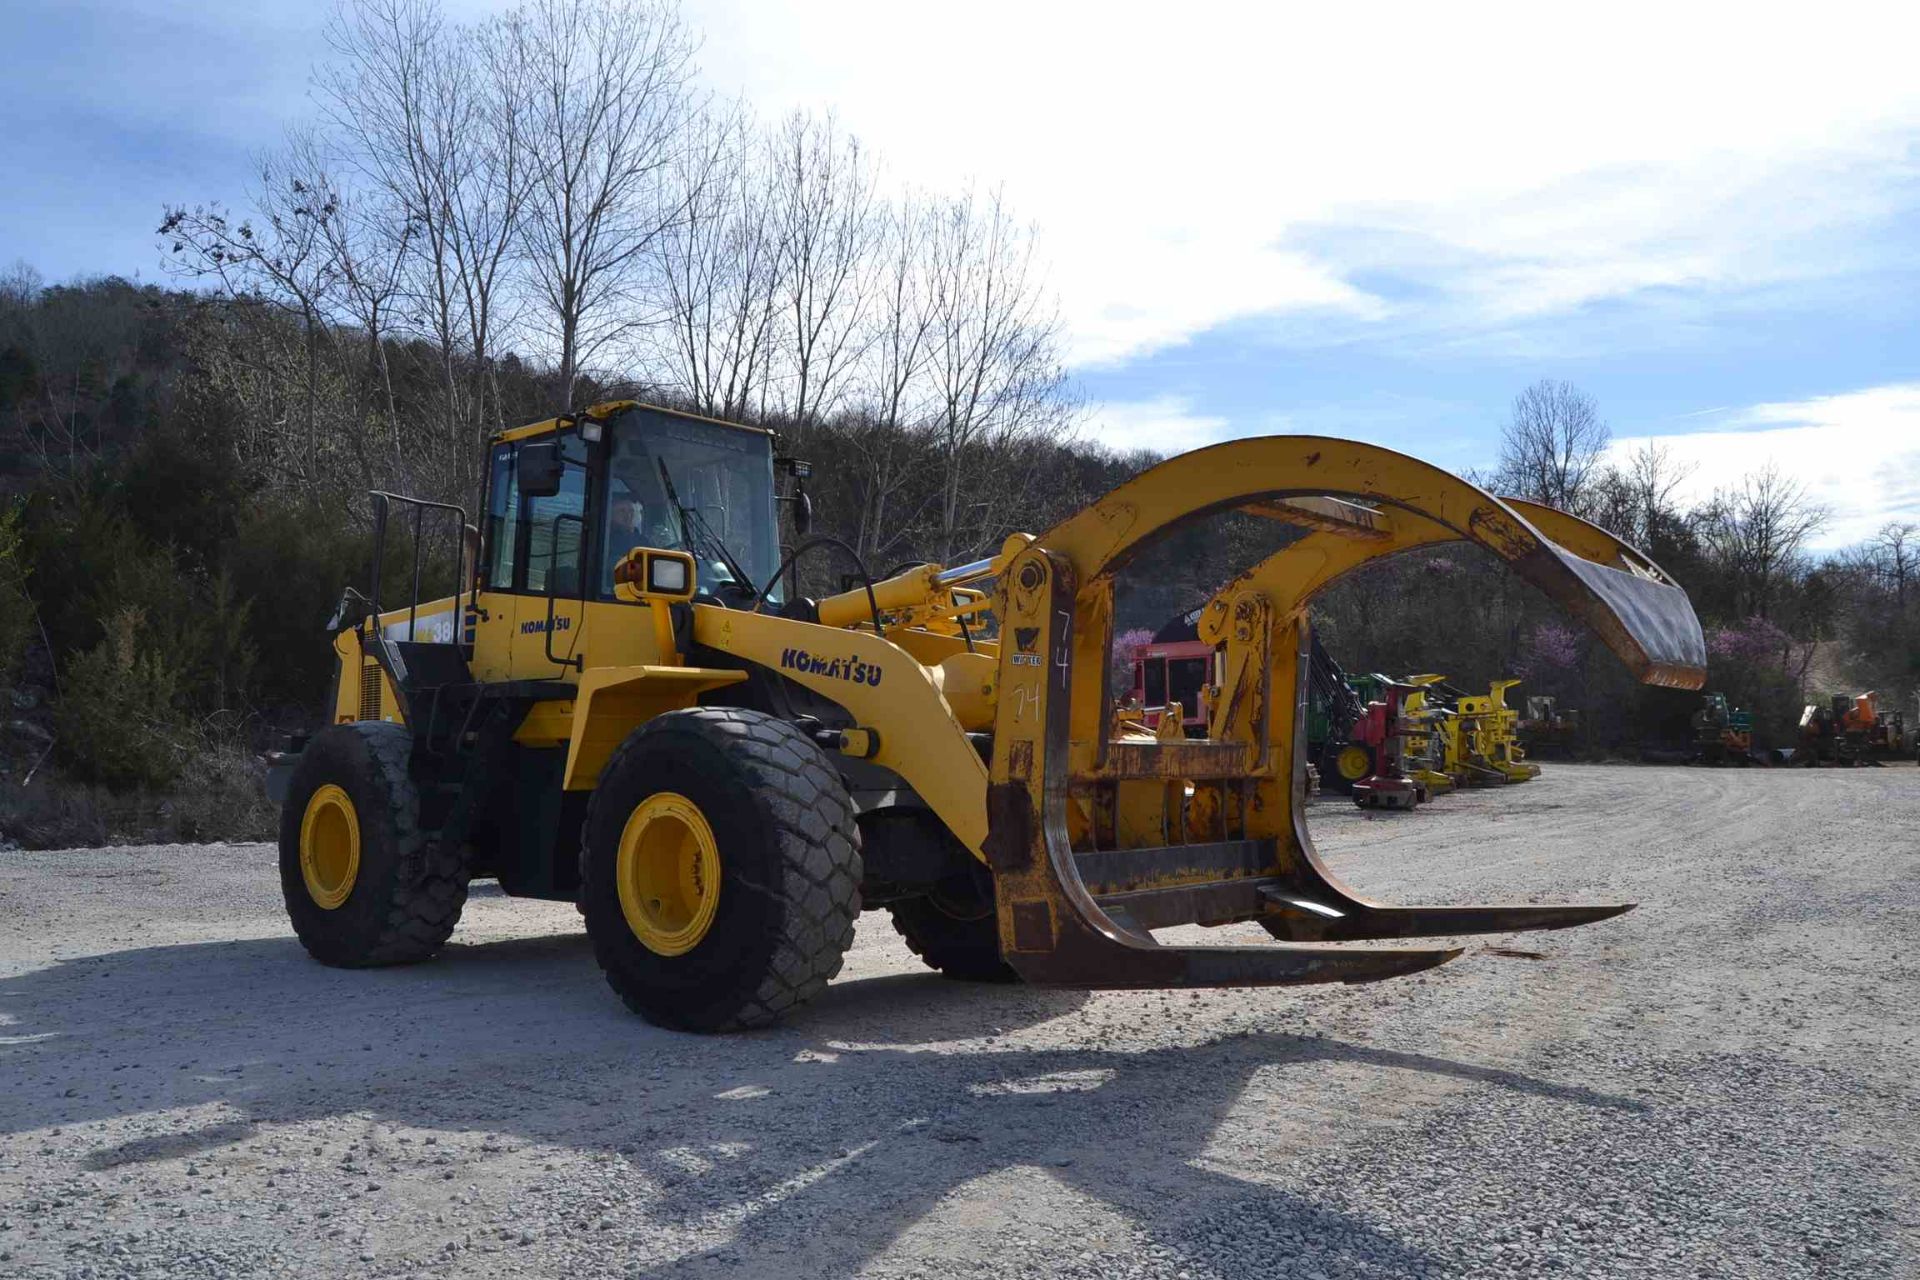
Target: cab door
{"points": [[551, 635], [535, 550], [495, 615]]}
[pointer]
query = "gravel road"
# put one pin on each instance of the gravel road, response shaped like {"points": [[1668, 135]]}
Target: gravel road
{"points": [[1721, 1083]]}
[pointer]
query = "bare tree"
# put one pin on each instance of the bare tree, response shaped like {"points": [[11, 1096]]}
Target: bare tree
{"points": [[607, 111], [370, 250], [20, 284], [488, 202], [283, 256], [1896, 549], [1552, 444], [720, 271], [433, 118], [1655, 478], [893, 388], [823, 194], [1757, 532], [993, 366], [1639, 500]]}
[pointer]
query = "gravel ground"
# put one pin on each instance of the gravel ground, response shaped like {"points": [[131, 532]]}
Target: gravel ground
{"points": [[1721, 1083]]}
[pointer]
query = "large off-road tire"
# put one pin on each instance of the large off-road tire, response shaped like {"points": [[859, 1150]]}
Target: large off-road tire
{"points": [[720, 869], [364, 885], [956, 932]]}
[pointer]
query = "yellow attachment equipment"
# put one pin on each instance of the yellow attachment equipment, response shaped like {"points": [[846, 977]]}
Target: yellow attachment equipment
{"points": [[1500, 735], [1427, 738], [1489, 738]]}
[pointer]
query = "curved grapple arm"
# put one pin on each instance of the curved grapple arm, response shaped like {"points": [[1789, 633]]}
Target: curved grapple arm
{"points": [[1096, 842]]}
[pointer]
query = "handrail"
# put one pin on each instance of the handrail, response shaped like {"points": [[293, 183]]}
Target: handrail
{"points": [[381, 500]]}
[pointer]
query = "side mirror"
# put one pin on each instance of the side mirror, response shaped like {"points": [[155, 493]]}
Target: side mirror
{"points": [[538, 468], [802, 511], [469, 555]]}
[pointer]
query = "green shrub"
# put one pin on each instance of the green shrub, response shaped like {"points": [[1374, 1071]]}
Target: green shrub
{"points": [[289, 563], [116, 720], [16, 608]]}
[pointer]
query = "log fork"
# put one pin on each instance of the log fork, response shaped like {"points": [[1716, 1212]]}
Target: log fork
{"points": [[1095, 842]]}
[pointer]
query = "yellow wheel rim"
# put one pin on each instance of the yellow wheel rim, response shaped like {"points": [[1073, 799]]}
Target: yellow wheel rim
{"points": [[1354, 763], [668, 873], [329, 847]]}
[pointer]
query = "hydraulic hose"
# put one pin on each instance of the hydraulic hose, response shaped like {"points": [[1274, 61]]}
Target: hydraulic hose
{"points": [[826, 540]]}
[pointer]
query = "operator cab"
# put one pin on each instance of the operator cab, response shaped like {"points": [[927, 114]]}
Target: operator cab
{"points": [[577, 493]]}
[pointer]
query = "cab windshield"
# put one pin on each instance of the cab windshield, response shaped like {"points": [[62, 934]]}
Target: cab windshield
{"points": [[723, 478]]}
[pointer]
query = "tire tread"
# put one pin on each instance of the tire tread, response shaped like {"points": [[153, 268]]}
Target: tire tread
{"points": [[818, 844], [432, 881]]}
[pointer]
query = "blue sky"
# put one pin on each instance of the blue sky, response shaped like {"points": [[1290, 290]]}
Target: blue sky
{"points": [[1379, 223]]}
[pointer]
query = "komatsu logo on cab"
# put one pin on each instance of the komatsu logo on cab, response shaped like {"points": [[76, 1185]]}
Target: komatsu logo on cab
{"points": [[538, 625], [813, 664]]}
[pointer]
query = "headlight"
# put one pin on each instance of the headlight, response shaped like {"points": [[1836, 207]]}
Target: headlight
{"points": [[667, 575]]}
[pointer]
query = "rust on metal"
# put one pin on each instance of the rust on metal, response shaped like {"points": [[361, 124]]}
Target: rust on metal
{"points": [[1009, 844], [1162, 760], [1330, 515], [1033, 926]]}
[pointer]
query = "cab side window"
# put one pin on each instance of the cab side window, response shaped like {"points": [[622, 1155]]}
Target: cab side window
{"points": [[557, 527], [503, 519]]}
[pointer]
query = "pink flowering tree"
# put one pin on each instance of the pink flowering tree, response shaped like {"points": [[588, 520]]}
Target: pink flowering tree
{"points": [[1126, 647], [1550, 649], [1761, 668]]}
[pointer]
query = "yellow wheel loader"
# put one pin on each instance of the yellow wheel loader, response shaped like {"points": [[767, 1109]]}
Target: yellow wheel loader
{"points": [[622, 708]]}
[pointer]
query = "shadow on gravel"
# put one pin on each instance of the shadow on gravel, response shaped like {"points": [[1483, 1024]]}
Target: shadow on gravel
{"points": [[815, 1145]]}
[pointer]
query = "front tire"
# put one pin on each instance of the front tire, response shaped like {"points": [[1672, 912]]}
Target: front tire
{"points": [[364, 885], [720, 870]]}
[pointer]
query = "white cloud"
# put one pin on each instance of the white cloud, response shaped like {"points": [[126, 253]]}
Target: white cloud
{"points": [[1509, 160], [1858, 453], [1164, 424]]}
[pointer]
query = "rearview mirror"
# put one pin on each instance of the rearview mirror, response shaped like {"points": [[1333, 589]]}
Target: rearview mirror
{"points": [[469, 555], [802, 511], [538, 469]]}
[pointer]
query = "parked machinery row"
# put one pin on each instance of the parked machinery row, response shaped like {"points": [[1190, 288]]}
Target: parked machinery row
{"points": [[1843, 730], [1389, 743], [1852, 730], [1422, 737]]}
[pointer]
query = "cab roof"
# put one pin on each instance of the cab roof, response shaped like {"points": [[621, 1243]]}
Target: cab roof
{"points": [[606, 409]]}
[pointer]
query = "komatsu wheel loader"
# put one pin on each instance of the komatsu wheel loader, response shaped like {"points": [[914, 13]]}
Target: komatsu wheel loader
{"points": [[622, 709]]}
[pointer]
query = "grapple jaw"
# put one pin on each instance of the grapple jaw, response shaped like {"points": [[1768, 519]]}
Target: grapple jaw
{"points": [[1096, 843], [1053, 930]]}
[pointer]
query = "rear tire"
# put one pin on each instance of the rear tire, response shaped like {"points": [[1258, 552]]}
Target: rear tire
{"points": [[955, 929], [364, 885], [769, 932]]}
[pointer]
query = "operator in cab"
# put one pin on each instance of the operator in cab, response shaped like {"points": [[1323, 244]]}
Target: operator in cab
{"points": [[632, 521]]}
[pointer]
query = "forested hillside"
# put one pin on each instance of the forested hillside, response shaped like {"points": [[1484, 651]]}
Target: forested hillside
{"points": [[485, 225]]}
